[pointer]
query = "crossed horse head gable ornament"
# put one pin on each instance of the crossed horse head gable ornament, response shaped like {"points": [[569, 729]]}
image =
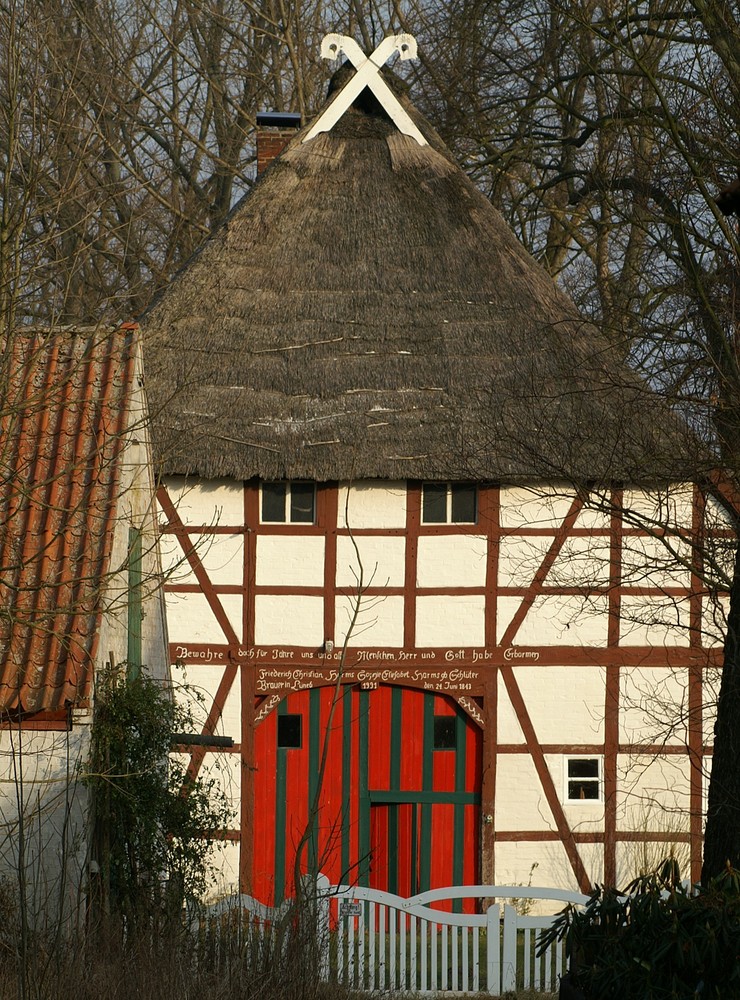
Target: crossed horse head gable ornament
{"points": [[367, 75]]}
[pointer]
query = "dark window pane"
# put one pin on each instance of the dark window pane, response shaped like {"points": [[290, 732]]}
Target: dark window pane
{"points": [[463, 503], [302, 503], [583, 789], [583, 768], [273, 501], [445, 731], [434, 506], [289, 732]]}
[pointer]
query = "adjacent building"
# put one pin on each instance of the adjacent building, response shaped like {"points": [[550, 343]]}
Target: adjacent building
{"points": [[80, 586]]}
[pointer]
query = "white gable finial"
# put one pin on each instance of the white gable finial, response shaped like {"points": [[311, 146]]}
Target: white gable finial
{"points": [[367, 75]]}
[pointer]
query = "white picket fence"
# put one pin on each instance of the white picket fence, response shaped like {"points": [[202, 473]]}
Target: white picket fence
{"points": [[376, 941]]}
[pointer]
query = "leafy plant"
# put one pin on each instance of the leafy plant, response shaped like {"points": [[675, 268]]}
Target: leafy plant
{"points": [[655, 940], [154, 827]]}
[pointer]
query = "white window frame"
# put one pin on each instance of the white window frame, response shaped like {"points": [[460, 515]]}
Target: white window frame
{"points": [[449, 486], [600, 779], [288, 483]]}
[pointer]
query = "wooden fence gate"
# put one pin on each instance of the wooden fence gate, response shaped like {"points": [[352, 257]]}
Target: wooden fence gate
{"points": [[372, 940]]}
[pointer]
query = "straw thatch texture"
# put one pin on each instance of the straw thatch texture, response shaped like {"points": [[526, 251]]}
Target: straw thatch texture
{"points": [[366, 313]]}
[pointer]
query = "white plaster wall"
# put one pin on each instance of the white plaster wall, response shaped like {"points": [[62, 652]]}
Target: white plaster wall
{"points": [[582, 817], [654, 621], [635, 858], [564, 703], [450, 621], [207, 501], [654, 705], [383, 560], [46, 775], [289, 620], [653, 792], [222, 557], [545, 507], [223, 772], [135, 508], [190, 618], [716, 514], [290, 561], [592, 856], [557, 620], [670, 505], [520, 801], [514, 867], [372, 504], [196, 685], [451, 561], [509, 730], [648, 562], [223, 860], [379, 622], [581, 562], [520, 558]]}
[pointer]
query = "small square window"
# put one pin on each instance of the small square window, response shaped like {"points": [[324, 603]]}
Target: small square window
{"points": [[583, 779], [288, 503], [449, 503], [289, 732], [445, 732]]}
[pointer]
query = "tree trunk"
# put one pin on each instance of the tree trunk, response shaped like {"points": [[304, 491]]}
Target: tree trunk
{"points": [[722, 836]]}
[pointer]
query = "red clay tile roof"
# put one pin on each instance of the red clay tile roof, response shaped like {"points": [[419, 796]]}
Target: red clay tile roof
{"points": [[63, 406]]}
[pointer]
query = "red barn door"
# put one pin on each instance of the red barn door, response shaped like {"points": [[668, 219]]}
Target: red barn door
{"points": [[399, 805]]}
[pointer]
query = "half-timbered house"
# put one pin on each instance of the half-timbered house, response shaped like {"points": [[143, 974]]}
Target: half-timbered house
{"points": [[79, 587], [415, 511]]}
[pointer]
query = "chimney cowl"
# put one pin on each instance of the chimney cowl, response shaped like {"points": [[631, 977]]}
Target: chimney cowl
{"points": [[278, 119]]}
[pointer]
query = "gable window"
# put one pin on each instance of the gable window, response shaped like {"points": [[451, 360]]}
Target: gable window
{"points": [[583, 779], [288, 503], [449, 503], [289, 732]]}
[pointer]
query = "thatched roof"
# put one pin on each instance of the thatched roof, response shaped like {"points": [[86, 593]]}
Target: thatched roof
{"points": [[365, 312]]}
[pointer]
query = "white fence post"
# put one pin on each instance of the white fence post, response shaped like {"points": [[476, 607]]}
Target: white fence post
{"points": [[323, 888], [508, 971], [493, 949]]}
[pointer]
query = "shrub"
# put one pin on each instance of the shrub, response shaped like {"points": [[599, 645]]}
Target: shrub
{"points": [[153, 826], [655, 940]]}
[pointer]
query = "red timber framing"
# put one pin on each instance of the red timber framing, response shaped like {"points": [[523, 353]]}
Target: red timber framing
{"points": [[389, 801]]}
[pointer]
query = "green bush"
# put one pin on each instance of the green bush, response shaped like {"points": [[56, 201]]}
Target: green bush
{"points": [[656, 940], [154, 827]]}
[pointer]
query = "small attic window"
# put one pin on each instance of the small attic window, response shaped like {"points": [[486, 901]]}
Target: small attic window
{"points": [[288, 503], [449, 503], [583, 779]]}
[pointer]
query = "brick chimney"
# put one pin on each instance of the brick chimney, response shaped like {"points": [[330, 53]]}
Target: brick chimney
{"points": [[275, 129]]}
